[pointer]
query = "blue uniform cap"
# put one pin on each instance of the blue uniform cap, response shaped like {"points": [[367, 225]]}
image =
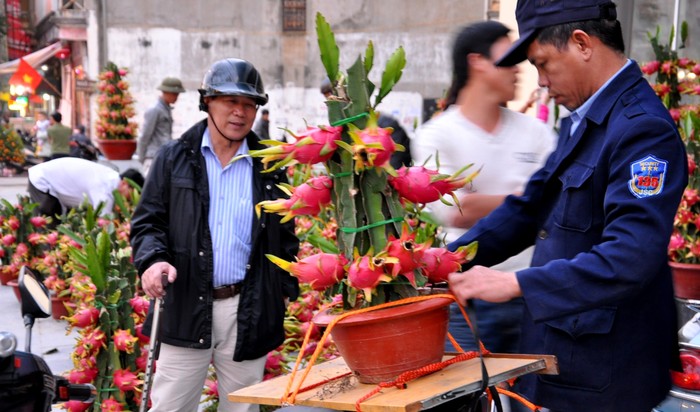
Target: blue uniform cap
{"points": [[533, 15]]}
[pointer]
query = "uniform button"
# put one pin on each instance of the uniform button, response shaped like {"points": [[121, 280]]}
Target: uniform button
{"points": [[247, 267], [268, 187], [201, 341], [542, 234], [262, 225], [201, 298], [201, 253]]}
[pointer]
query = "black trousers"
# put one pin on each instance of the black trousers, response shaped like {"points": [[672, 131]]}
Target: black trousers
{"points": [[49, 205]]}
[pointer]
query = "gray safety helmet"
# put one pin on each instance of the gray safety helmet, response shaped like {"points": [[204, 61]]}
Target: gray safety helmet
{"points": [[232, 77]]}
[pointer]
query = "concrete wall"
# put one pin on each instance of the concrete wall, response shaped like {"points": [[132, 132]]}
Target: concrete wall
{"points": [[182, 38]]}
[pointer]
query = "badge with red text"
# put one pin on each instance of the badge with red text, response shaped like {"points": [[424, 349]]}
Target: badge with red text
{"points": [[648, 176]]}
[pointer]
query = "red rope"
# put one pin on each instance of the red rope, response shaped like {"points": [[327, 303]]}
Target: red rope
{"points": [[401, 381]]}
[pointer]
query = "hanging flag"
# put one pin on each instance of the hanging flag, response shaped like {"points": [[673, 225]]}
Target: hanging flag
{"points": [[26, 76]]}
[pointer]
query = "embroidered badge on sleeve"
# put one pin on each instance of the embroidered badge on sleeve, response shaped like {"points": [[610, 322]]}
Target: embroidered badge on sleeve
{"points": [[648, 176]]}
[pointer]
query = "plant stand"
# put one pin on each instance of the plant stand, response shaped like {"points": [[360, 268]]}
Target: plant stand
{"points": [[455, 380]]}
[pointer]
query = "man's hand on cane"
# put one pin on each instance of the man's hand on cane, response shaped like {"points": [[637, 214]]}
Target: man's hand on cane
{"points": [[152, 279]]}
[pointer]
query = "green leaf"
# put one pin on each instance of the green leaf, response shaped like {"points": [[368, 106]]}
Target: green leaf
{"points": [[330, 54], [684, 32], [392, 74], [322, 243], [357, 90], [66, 231], [369, 63]]}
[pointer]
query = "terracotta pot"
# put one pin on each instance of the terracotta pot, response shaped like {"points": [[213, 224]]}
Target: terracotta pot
{"points": [[117, 149], [15, 288], [686, 280], [380, 345], [6, 276], [58, 306]]}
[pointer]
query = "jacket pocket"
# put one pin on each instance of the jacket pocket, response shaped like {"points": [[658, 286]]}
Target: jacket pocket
{"points": [[575, 208], [583, 349]]}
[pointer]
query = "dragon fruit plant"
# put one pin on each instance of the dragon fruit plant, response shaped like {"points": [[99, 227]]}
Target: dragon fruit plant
{"points": [[110, 351], [378, 253]]}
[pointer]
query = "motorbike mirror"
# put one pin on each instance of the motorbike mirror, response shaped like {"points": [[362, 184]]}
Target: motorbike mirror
{"points": [[35, 296]]}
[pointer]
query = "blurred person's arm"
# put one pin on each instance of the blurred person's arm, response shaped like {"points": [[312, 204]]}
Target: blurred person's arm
{"points": [[150, 119]]}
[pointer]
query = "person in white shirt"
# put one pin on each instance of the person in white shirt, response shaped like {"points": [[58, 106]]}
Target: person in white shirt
{"points": [[60, 184], [507, 147]]}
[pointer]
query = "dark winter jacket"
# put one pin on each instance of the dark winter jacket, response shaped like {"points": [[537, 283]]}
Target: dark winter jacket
{"points": [[170, 224]]}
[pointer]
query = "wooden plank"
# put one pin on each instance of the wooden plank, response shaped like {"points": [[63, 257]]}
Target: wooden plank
{"points": [[341, 394]]}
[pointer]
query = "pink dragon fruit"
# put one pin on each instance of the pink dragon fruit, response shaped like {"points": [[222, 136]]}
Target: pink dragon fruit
{"points": [[126, 380], [366, 272], [124, 341], [315, 145], [82, 375], [76, 406], [438, 262], [140, 305], [318, 271], [407, 253], [372, 146], [111, 405], [306, 199], [38, 221], [420, 185], [84, 317]]}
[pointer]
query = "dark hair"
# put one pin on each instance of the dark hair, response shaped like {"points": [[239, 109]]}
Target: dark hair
{"points": [[81, 129], [326, 87], [265, 111], [56, 116], [134, 175], [474, 38], [608, 31]]}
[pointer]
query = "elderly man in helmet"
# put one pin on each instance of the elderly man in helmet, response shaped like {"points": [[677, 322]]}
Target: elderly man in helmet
{"points": [[199, 245], [157, 127]]}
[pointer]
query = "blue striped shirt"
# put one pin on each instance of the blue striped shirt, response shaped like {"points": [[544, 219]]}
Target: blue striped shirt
{"points": [[230, 212]]}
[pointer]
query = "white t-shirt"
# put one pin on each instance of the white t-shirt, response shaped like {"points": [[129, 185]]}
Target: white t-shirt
{"points": [[507, 157], [71, 179]]}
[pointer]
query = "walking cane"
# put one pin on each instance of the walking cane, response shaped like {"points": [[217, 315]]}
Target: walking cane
{"points": [[152, 350]]}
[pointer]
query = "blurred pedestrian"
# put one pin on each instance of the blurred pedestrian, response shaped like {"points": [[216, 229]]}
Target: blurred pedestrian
{"points": [[61, 184], [599, 292], [157, 127], [41, 127], [262, 127], [196, 224], [81, 146], [507, 146], [58, 136]]}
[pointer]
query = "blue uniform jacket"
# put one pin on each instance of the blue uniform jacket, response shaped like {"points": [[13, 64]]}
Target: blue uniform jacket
{"points": [[599, 293]]}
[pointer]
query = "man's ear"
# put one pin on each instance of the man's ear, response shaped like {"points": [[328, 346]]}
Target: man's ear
{"points": [[582, 43]]}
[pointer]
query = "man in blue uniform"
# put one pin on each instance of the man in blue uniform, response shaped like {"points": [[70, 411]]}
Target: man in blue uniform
{"points": [[599, 293]]}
